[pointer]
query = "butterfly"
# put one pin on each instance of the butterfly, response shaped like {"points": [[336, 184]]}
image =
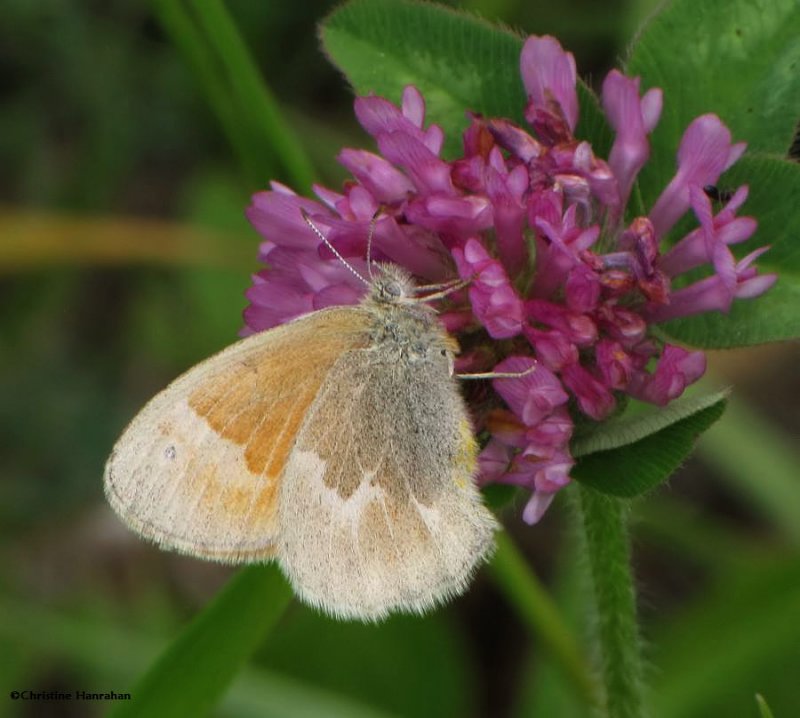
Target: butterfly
{"points": [[337, 444]]}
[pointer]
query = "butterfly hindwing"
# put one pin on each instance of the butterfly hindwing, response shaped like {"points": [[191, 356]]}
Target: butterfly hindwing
{"points": [[378, 504]]}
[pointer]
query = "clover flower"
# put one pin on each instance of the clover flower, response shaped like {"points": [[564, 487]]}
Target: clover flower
{"points": [[558, 277]]}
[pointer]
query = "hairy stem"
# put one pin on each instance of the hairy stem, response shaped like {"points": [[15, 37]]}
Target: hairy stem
{"points": [[607, 549]]}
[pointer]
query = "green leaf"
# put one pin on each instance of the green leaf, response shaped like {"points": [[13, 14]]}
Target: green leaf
{"points": [[736, 58], [498, 496], [774, 188], [194, 672], [457, 61], [763, 707], [774, 316], [640, 453], [629, 429], [262, 694], [404, 666]]}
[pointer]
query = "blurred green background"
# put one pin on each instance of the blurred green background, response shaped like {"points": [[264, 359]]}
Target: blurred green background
{"points": [[124, 255]]}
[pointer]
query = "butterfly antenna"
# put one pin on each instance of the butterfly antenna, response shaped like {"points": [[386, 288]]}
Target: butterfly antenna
{"points": [[333, 249], [372, 224]]}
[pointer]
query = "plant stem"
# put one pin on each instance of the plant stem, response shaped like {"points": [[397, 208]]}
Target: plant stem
{"points": [[607, 549], [536, 608]]}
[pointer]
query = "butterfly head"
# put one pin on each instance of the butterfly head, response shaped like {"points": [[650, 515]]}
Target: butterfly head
{"points": [[391, 285]]}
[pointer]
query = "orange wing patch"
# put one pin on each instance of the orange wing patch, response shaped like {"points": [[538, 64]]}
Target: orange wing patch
{"points": [[261, 401]]}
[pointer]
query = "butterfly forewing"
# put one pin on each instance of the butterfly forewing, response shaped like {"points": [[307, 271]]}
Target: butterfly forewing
{"points": [[198, 470]]}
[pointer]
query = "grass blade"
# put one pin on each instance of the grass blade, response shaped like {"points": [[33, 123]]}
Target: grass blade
{"points": [[534, 606], [268, 132], [186, 36]]}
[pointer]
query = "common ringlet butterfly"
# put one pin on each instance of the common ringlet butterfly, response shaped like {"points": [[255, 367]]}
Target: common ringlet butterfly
{"points": [[337, 444]]}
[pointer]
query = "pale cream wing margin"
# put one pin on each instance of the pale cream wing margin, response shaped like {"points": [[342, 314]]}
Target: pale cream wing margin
{"points": [[198, 469]]}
